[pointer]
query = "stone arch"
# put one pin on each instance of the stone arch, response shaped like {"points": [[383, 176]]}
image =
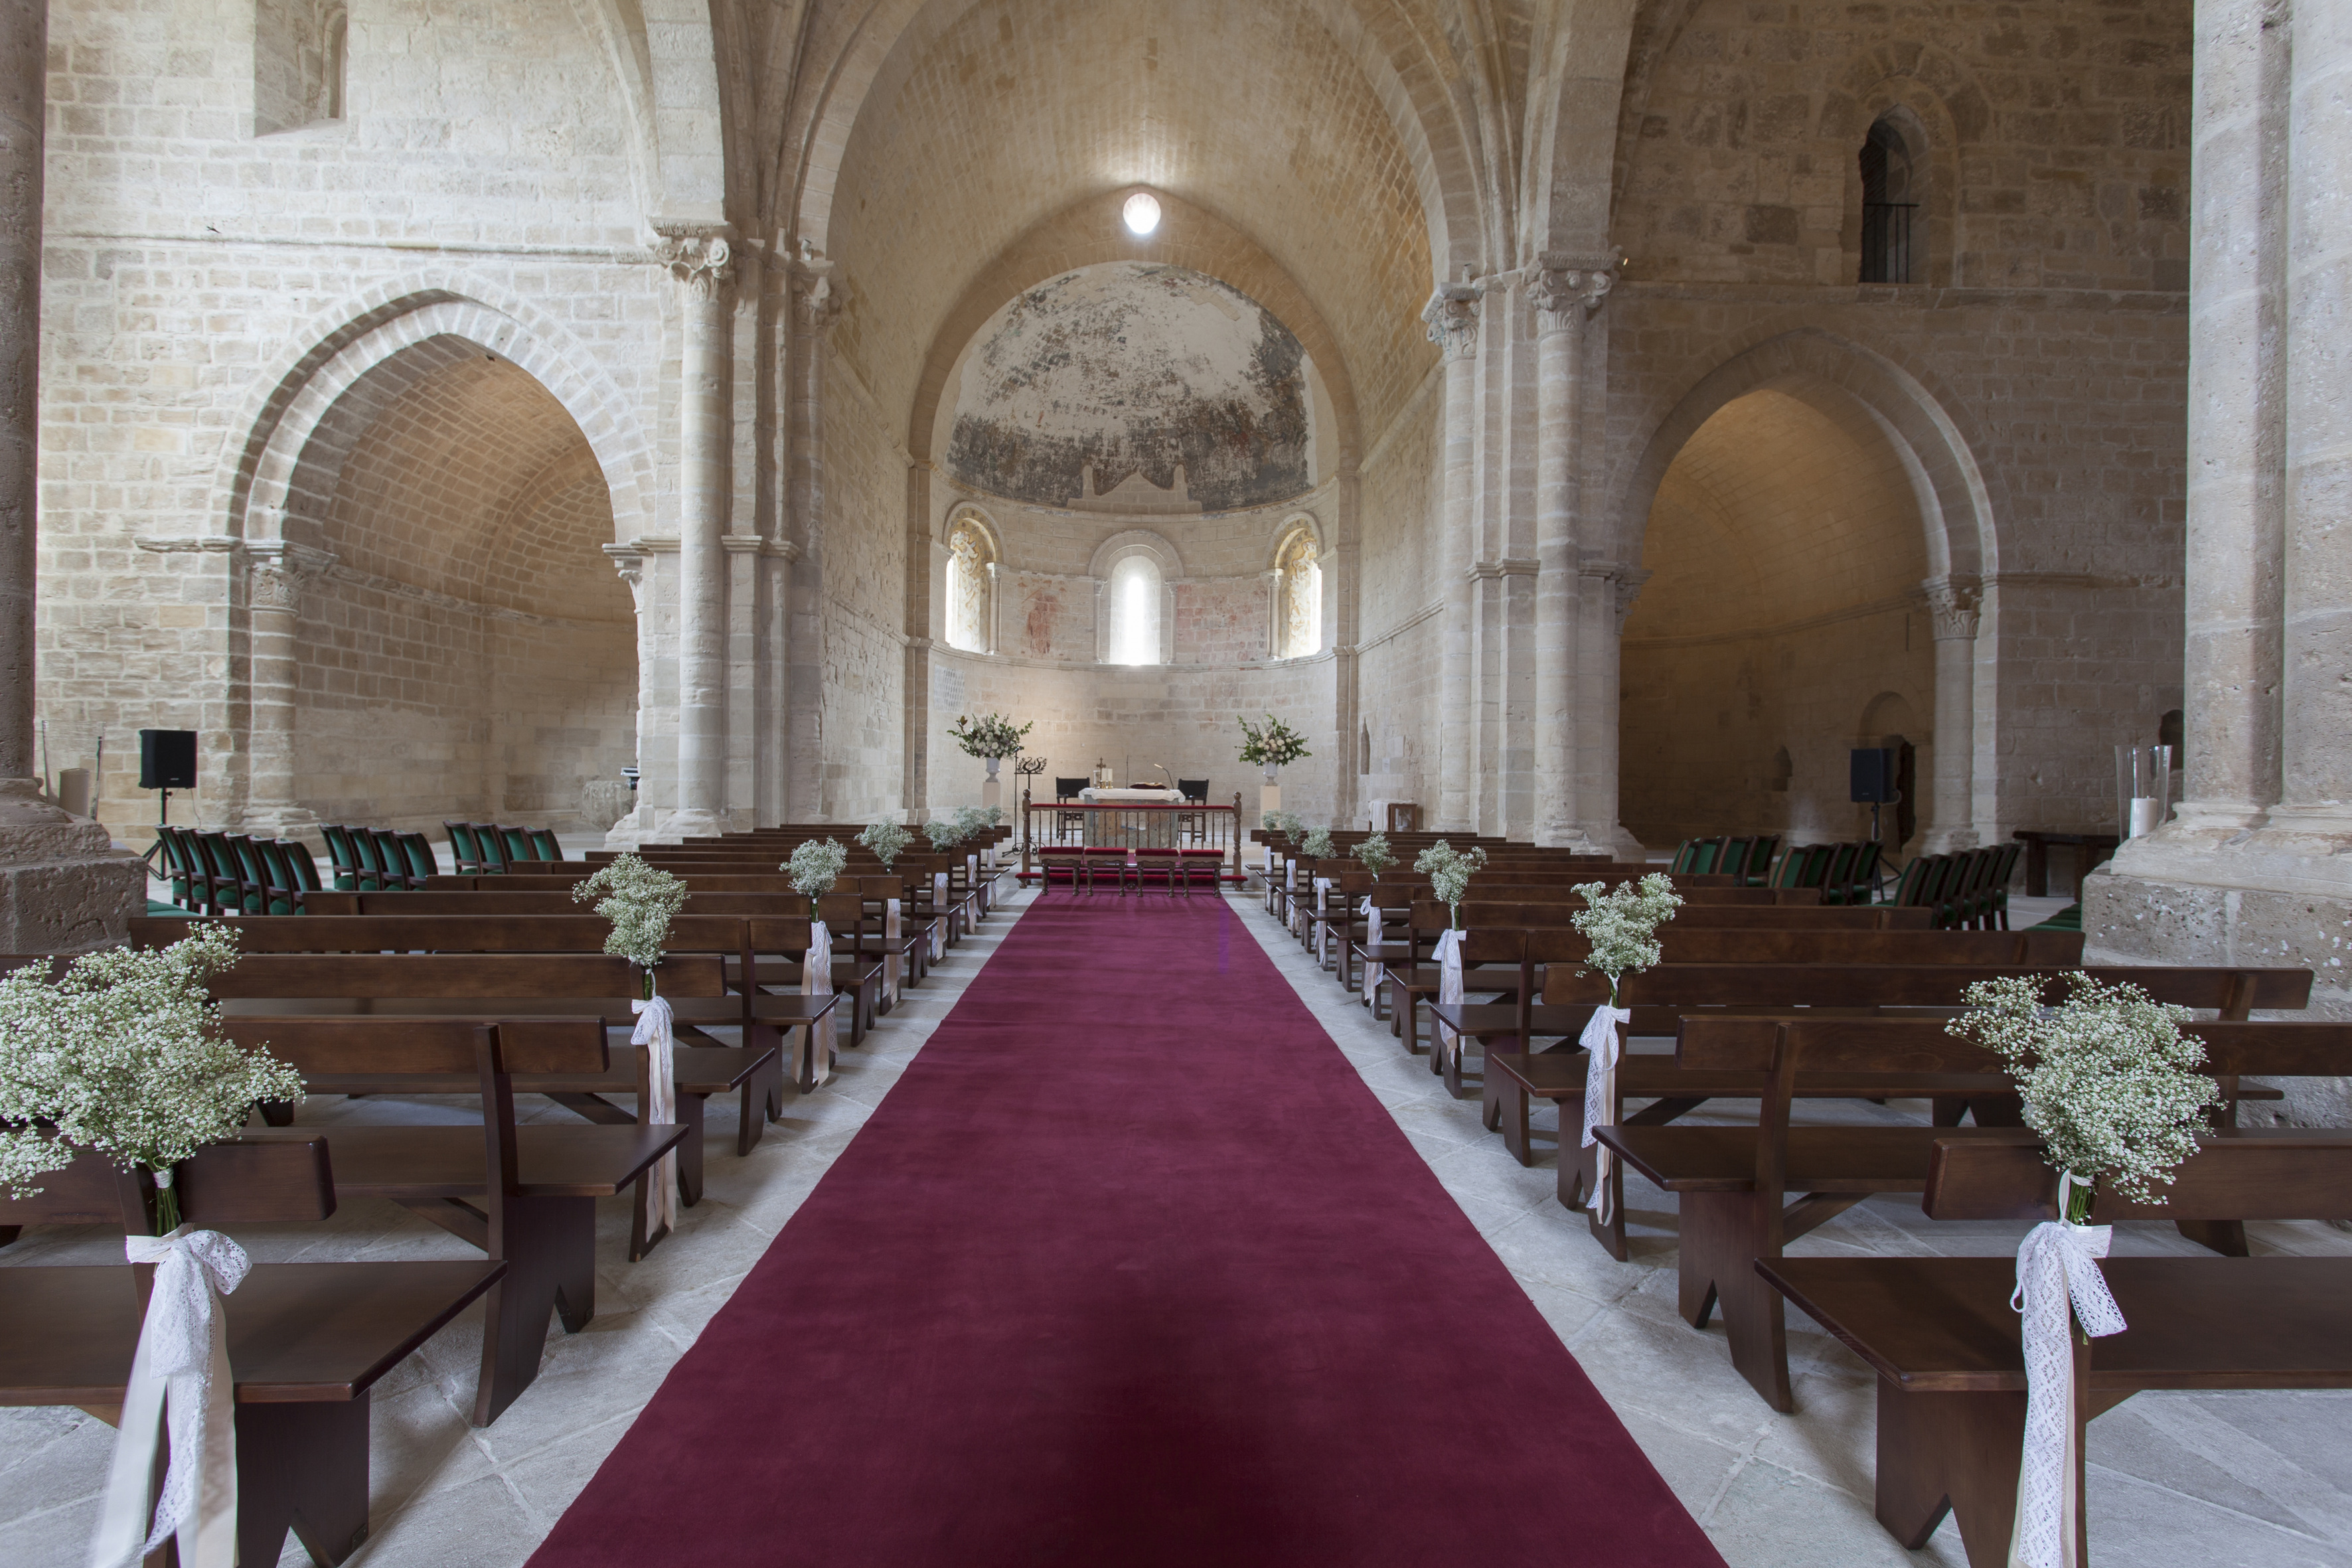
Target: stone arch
{"points": [[1927, 125], [1091, 231], [1136, 542], [1279, 540], [330, 353], [1585, 45], [1841, 377], [1411, 73]]}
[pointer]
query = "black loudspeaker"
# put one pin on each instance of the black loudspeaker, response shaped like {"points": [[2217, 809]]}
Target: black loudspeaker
{"points": [[167, 759], [1873, 773]]}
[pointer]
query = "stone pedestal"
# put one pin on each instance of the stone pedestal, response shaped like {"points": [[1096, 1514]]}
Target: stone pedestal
{"points": [[1269, 798], [992, 793], [63, 888]]}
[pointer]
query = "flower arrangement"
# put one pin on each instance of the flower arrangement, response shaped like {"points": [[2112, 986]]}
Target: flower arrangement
{"points": [[1449, 872], [1375, 854], [1286, 822], [815, 865], [1273, 744], [1622, 923], [2107, 1077], [888, 839], [640, 902], [973, 821], [946, 832], [991, 736], [1319, 845], [124, 1055]]}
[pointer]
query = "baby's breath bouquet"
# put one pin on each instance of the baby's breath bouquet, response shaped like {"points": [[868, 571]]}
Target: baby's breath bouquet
{"points": [[2107, 1077], [1376, 854], [640, 902], [1622, 923], [125, 1055], [1286, 822], [946, 832], [1449, 872], [1318, 846], [815, 865], [973, 821], [889, 840]]}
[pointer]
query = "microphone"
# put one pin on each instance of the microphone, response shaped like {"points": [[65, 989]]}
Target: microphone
{"points": [[1163, 774]]}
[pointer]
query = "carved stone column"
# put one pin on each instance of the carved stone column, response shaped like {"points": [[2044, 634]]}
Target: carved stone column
{"points": [[1610, 589], [816, 305], [701, 267], [61, 889], [1565, 298], [276, 573], [1274, 614], [1952, 608], [1452, 318]]}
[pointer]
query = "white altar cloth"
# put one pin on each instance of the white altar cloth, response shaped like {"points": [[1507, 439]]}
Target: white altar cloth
{"points": [[1131, 797]]}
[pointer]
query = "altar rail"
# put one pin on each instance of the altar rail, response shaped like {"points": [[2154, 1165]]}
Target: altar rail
{"points": [[1190, 825]]}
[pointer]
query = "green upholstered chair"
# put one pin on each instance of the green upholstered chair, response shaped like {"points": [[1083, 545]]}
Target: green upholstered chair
{"points": [[516, 843], [417, 851], [464, 849], [394, 863], [254, 893], [493, 849], [543, 844], [180, 866], [338, 850], [282, 890]]}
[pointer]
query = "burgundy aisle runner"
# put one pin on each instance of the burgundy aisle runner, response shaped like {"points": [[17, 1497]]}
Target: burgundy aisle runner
{"points": [[1129, 1269]]}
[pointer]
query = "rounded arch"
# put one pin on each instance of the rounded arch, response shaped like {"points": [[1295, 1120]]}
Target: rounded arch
{"points": [[1840, 378], [1090, 231], [972, 514], [1585, 47], [293, 408], [1135, 542], [1291, 526], [1919, 115], [1408, 65]]}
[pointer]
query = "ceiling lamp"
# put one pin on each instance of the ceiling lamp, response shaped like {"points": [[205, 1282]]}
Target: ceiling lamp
{"points": [[1142, 212]]}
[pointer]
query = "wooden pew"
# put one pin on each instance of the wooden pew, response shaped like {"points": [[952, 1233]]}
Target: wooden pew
{"points": [[1730, 1179], [306, 1341], [1941, 1336]]}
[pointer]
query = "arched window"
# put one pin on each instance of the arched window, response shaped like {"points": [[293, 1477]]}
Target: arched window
{"points": [[1135, 611], [1300, 602], [1894, 232], [971, 587]]}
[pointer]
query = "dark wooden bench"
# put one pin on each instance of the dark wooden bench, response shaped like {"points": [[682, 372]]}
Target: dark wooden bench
{"points": [[1941, 1336], [1730, 1180], [306, 1341]]}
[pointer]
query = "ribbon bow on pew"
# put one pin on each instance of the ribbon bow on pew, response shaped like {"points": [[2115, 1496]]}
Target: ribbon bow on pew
{"points": [[2057, 1265], [182, 1366], [816, 981], [657, 1030], [1599, 1038], [1443, 1042]]}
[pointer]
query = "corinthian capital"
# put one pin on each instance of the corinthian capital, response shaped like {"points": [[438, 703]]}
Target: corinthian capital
{"points": [[1569, 291], [276, 571], [704, 263], [1952, 605], [1452, 318]]}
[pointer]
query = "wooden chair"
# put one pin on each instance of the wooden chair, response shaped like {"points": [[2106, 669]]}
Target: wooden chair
{"points": [[306, 1341], [1064, 821], [182, 869], [282, 887], [417, 857], [1099, 863], [544, 844], [1162, 864], [465, 850], [1194, 823], [1941, 1336], [345, 857], [492, 845]]}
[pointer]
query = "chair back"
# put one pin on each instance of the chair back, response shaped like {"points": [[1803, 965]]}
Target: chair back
{"points": [[464, 851], [516, 842], [494, 855], [1193, 789], [416, 851], [544, 845], [1067, 789]]}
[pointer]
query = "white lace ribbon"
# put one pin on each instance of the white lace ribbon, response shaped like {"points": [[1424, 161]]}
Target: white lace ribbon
{"points": [[1599, 1038], [894, 963], [1443, 1040], [657, 1030], [182, 1366], [817, 983], [1322, 906], [1374, 921], [940, 917], [2056, 1265]]}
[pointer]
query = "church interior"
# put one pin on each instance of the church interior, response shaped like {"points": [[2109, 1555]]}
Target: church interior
{"points": [[1848, 491]]}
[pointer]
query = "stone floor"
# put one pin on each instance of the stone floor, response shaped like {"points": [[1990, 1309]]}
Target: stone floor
{"points": [[2258, 1479]]}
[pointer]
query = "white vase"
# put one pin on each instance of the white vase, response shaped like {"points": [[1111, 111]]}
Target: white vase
{"points": [[992, 768], [1272, 769]]}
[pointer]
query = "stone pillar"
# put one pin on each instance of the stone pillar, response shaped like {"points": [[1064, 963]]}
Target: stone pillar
{"points": [[1564, 298], [817, 305], [1610, 589], [61, 886], [274, 575], [994, 625], [1951, 810], [631, 830], [1451, 316], [2315, 735], [700, 266], [741, 688], [1274, 615]]}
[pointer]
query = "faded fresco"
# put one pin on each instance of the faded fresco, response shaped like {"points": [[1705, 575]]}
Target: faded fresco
{"points": [[1132, 369]]}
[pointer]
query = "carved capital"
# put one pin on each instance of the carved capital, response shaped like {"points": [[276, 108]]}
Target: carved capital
{"points": [[1625, 583], [815, 299], [1569, 292], [1953, 607], [704, 263], [276, 572], [1452, 318], [630, 562]]}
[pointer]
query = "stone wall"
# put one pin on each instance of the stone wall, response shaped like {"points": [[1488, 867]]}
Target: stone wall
{"points": [[862, 555], [1397, 668]]}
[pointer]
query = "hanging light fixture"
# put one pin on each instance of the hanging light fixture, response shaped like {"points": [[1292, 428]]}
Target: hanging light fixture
{"points": [[1142, 212]]}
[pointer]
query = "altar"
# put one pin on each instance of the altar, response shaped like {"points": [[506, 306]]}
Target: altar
{"points": [[1153, 794]]}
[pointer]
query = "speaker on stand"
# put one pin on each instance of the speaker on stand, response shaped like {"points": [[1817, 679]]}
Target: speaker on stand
{"points": [[1871, 775]]}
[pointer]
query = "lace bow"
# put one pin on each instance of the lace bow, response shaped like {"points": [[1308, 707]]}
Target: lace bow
{"points": [[1599, 1038], [2056, 1265], [657, 1030]]}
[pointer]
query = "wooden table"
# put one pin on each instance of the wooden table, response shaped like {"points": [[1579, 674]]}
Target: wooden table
{"points": [[2090, 850]]}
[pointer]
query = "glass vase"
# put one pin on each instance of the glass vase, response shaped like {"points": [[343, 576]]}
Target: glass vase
{"points": [[2143, 789]]}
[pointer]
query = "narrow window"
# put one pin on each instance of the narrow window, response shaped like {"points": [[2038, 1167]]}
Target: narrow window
{"points": [[968, 588], [1302, 597], [1890, 205], [1135, 611]]}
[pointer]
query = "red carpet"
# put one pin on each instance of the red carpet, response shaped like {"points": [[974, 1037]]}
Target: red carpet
{"points": [[1129, 1269]]}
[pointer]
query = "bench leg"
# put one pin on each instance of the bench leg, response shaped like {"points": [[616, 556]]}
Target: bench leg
{"points": [[303, 1466], [691, 1109], [550, 1257], [1955, 1453], [1717, 1266]]}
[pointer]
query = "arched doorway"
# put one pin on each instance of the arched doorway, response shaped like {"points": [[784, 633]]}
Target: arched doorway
{"points": [[468, 650], [1787, 549]]}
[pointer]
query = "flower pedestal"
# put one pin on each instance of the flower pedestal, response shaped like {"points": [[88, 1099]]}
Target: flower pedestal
{"points": [[1269, 793], [991, 793]]}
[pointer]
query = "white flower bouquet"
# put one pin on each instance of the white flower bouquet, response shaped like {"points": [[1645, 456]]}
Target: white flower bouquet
{"points": [[889, 840], [991, 736], [945, 832], [1449, 871], [1318, 845], [125, 1055], [1286, 822], [1622, 923], [973, 821], [1376, 854], [815, 865], [640, 902], [2107, 1077], [1273, 744]]}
